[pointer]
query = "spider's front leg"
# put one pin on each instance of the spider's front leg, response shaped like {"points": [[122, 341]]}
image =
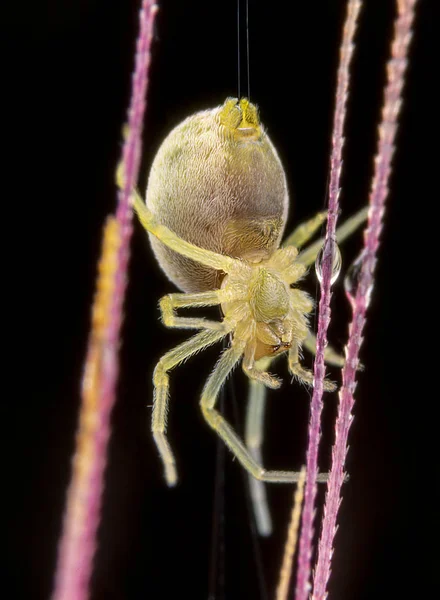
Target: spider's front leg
{"points": [[161, 386]]}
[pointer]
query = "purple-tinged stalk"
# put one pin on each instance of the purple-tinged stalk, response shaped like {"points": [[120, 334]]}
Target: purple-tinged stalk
{"points": [[305, 545], [360, 296], [82, 514]]}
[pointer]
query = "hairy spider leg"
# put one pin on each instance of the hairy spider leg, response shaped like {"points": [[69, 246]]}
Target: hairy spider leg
{"points": [[301, 234], [205, 257], [256, 405], [161, 386], [168, 304], [225, 365]]}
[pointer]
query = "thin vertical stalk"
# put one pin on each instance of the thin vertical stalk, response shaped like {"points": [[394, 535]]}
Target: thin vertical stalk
{"points": [[82, 514], [360, 296], [291, 541], [305, 545]]}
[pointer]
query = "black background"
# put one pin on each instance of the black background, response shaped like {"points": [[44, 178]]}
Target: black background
{"points": [[66, 84]]}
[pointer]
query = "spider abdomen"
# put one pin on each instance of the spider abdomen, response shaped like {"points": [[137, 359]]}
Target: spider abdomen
{"points": [[217, 182]]}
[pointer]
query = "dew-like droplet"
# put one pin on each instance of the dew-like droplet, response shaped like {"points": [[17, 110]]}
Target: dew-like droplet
{"points": [[351, 279], [336, 266]]}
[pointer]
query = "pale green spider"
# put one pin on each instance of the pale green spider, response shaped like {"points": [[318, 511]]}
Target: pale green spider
{"points": [[216, 205]]}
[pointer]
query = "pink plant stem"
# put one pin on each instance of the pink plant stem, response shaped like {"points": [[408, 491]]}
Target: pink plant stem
{"points": [[360, 300], [82, 516], [305, 545]]}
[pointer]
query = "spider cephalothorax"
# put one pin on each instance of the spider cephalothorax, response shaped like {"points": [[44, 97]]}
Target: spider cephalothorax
{"points": [[266, 315], [216, 207]]}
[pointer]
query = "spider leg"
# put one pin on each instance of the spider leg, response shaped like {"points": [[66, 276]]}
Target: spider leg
{"points": [[254, 437], [173, 241], [303, 374], [308, 256], [171, 302], [330, 355], [259, 380], [304, 231], [161, 385], [227, 362], [254, 433]]}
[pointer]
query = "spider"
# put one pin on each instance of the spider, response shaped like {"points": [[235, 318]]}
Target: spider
{"points": [[216, 207]]}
